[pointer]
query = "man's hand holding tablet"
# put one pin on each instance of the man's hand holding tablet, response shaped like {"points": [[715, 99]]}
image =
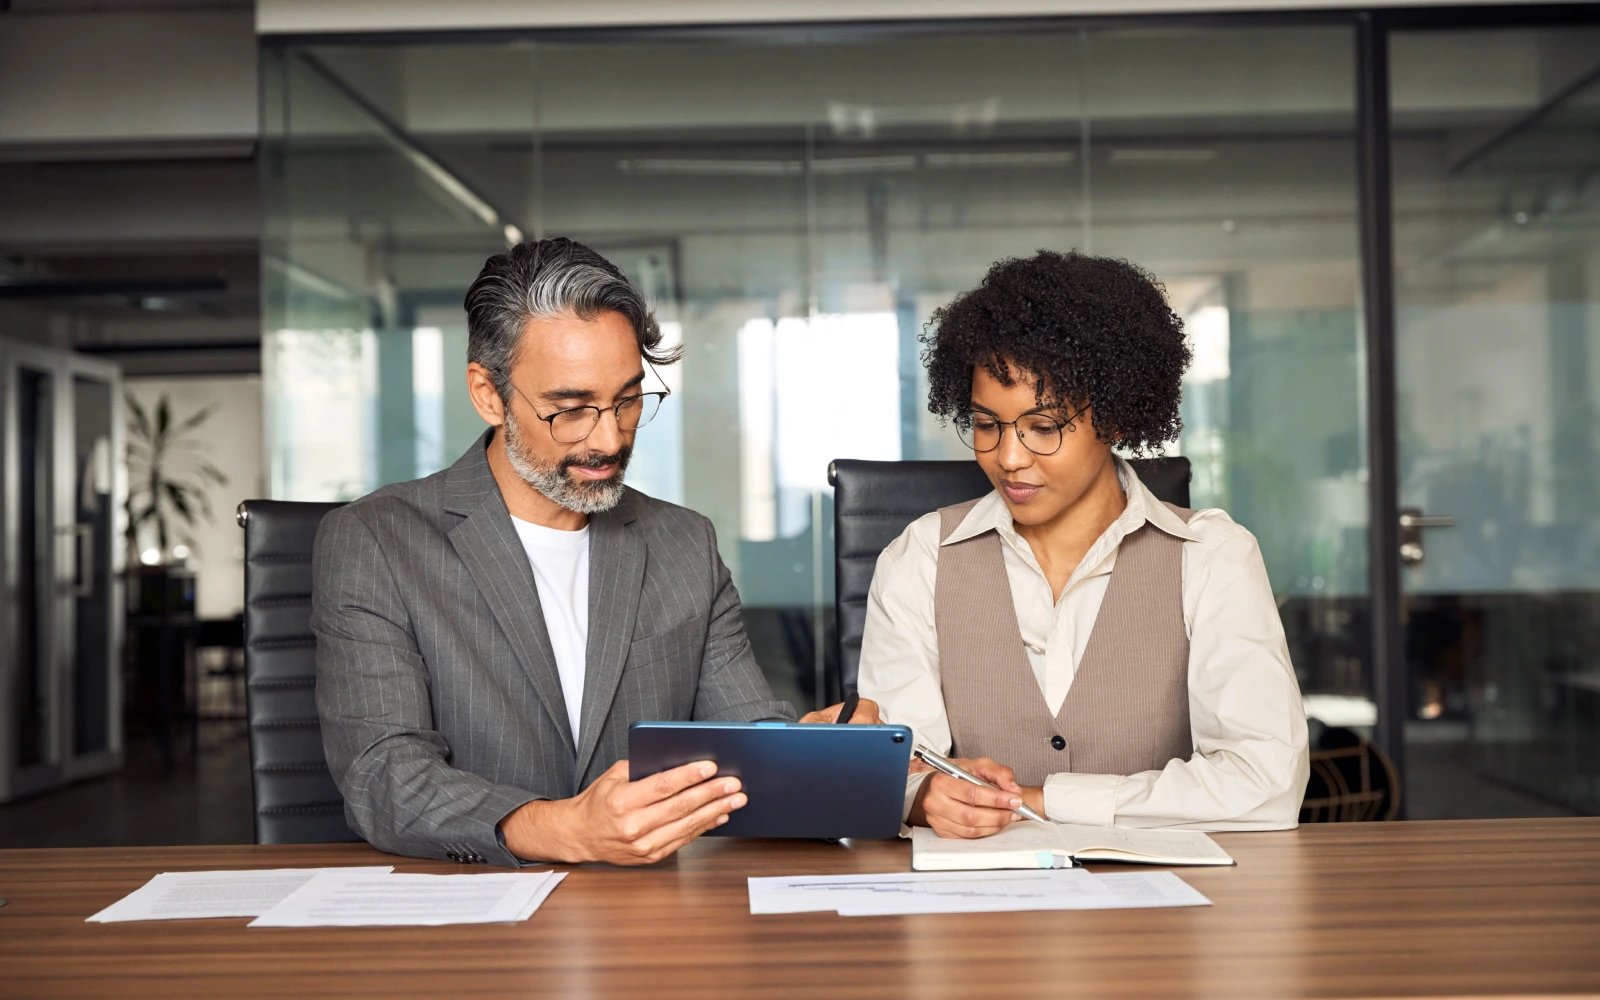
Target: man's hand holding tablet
{"points": [[625, 822], [641, 822]]}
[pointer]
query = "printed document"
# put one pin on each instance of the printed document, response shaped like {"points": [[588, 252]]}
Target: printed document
{"points": [[1136, 890], [191, 895], [970, 892], [331, 900], [927, 892]]}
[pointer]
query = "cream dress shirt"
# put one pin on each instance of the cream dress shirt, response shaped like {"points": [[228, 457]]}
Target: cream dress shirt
{"points": [[1250, 763]]}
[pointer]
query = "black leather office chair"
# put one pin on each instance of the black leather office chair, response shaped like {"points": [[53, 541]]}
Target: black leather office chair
{"points": [[874, 501], [295, 798]]}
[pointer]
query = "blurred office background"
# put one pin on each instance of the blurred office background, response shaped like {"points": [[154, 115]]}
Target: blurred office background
{"points": [[266, 215]]}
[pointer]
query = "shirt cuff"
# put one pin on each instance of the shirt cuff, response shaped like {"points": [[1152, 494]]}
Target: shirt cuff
{"points": [[506, 859], [500, 835], [1085, 799], [913, 785]]}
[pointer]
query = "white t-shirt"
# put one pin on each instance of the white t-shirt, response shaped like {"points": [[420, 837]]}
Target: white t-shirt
{"points": [[560, 562]]}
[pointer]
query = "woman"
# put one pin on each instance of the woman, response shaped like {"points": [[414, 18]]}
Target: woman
{"points": [[1100, 656]]}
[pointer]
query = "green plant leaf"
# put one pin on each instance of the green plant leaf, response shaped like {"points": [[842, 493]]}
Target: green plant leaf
{"points": [[140, 418], [195, 419], [177, 496]]}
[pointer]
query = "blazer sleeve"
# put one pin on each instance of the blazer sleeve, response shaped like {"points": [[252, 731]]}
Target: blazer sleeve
{"points": [[390, 763], [732, 687]]}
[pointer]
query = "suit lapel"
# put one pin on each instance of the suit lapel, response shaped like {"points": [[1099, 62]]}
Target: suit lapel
{"points": [[488, 544], [616, 577]]}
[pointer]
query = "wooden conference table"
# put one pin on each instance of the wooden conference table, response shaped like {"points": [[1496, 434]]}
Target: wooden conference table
{"points": [[1503, 907]]}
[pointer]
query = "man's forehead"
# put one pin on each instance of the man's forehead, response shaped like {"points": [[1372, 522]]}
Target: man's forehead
{"points": [[566, 334], [594, 356]]}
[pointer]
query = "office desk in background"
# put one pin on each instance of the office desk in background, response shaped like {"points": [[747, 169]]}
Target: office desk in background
{"points": [[1372, 910]]}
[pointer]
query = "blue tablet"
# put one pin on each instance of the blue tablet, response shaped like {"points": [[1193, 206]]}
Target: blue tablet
{"points": [[816, 780]]}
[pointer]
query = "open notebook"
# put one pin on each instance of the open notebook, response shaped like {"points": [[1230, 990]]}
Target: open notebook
{"points": [[1056, 845]]}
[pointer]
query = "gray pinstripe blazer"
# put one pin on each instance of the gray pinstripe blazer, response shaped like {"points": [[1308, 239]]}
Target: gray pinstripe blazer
{"points": [[437, 688]]}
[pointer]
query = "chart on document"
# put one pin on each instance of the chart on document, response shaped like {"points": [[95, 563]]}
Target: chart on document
{"points": [[929, 892]]}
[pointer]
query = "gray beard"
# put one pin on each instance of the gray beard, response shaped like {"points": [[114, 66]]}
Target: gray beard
{"points": [[556, 484]]}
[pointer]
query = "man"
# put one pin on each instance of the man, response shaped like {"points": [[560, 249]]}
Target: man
{"points": [[485, 636]]}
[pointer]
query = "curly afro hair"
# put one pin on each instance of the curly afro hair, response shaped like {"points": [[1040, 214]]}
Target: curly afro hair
{"points": [[1092, 330]]}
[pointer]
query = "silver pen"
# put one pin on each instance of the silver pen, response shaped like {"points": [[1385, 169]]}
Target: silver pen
{"points": [[938, 763]]}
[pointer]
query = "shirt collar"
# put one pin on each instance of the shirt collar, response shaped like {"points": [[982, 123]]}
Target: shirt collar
{"points": [[1150, 508], [991, 513]]}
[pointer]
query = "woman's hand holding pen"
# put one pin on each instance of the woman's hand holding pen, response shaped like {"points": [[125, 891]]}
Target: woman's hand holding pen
{"points": [[956, 808]]}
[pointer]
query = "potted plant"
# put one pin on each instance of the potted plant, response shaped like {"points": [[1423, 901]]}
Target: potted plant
{"points": [[167, 478]]}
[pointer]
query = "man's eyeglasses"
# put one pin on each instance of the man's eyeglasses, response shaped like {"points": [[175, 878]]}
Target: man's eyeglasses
{"points": [[576, 423], [1040, 433]]}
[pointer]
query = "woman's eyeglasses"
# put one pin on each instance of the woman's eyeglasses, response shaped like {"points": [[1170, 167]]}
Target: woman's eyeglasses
{"points": [[1040, 433]]}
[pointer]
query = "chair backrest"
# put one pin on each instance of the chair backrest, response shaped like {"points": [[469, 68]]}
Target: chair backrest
{"points": [[1351, 780], [874, 501], [296, 801]]}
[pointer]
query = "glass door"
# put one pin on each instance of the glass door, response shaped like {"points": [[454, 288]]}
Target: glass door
{"points": [[1497, 289], [32, 649], [60, 700], [91, 604]]}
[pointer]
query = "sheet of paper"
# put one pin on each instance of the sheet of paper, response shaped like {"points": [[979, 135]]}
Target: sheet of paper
{"points": [[191, 895], [1147, 889], [544, 891], [930, 892], [821, 893], [409, 900], [970, 892], [1067, 889]]}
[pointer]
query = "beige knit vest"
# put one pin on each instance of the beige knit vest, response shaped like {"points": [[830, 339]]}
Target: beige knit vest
{"points": [[1128, 707]]}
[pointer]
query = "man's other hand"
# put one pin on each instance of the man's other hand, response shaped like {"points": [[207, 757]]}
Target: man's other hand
{"points": [[866, 714], [625, 822], [956, 808]]}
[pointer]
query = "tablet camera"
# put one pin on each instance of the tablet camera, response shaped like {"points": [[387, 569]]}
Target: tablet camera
{"points": [[899, 737]]}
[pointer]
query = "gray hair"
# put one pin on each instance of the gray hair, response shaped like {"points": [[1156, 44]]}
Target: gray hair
{"points": [[547, 278]]}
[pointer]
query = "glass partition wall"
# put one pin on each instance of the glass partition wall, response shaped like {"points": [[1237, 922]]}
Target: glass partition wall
{"points": [[796, 205], [1497, 337]]}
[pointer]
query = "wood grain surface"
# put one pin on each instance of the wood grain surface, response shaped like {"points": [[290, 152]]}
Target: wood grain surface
{"points": [[1467, 908]]}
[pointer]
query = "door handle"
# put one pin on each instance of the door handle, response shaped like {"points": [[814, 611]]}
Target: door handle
{"points": [[1412, 521], [84, 587], [1417, 519]]}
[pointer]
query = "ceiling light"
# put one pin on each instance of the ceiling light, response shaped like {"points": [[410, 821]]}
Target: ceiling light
{"points": [[672, 165], [863, 164], [1032, 158], [1163, 157]]}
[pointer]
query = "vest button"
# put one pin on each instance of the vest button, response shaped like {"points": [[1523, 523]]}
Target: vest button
{"points": [[1058, 742]]}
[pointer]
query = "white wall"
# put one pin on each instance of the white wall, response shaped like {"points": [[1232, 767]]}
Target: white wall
{"points": [[147, 78], [233, 443]]}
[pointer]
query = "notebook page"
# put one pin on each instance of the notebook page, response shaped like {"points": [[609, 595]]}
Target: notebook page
{"points": [[1181, 846], [1021, 845]]}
